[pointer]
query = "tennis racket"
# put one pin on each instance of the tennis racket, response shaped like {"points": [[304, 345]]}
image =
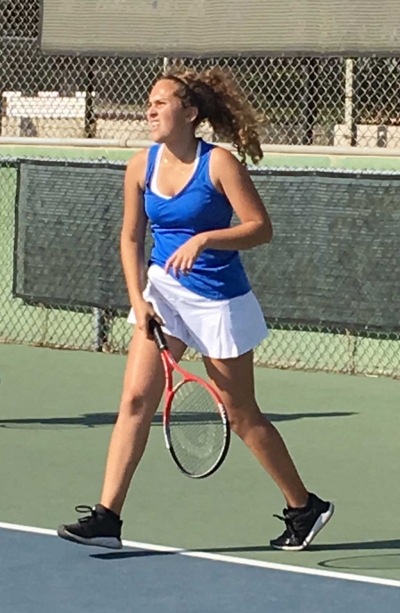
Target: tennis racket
{"points": [[196, 427]]}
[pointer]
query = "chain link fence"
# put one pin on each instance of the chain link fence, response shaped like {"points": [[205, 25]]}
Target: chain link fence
{"points": [[327, 101], [338, 102], [48, 247]]}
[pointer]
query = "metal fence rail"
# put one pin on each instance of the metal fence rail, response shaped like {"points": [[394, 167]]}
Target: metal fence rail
{"points": [[331, 101]]}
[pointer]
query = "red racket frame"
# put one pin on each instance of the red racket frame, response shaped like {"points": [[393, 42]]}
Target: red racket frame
{"points": [[170, 365]]}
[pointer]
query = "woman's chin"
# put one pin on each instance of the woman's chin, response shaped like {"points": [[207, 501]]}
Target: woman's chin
{"points": [[157, 136]]}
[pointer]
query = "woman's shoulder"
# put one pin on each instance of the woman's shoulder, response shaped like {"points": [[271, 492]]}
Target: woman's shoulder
{"points": [[138, 159], [218, 155], [137, 166], [222, 158], [224, 167]]}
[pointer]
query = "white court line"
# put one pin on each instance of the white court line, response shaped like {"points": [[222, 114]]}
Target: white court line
{"points": [[229, 559]]}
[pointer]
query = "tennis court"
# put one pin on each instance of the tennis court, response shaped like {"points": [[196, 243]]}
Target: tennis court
{"points": [[325, 96], [58, 408], [193, 545]]}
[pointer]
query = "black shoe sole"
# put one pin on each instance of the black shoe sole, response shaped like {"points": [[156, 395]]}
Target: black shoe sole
{"points": [[108, 542]]}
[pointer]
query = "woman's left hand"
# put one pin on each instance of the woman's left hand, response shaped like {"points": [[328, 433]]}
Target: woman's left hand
{"points": [[183, 259]]}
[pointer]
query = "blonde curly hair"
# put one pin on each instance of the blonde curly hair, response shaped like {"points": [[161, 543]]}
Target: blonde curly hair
{"points": [[220, 102]]}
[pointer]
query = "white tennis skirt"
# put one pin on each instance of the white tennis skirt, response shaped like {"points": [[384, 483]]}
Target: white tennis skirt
{"points": [[216, 328]]}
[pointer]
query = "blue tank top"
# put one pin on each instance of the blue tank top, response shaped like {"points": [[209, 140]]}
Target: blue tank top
{"points": [[198, 207]]}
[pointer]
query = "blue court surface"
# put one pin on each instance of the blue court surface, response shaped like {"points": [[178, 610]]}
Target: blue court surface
{"points": [[40, 573]]}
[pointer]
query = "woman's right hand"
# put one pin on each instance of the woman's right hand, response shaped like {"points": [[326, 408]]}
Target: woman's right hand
{"points": [[144, 311]]}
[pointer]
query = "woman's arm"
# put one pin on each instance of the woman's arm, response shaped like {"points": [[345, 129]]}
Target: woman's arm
{"points": [[255, 228], [231, 178], [134, 228]]}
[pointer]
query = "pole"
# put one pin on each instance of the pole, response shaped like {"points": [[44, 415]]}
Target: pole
{"points": [[349, 113], [310, 100], [90, 113]]}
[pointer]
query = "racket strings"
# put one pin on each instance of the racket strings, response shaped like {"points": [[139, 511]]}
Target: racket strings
{"points": [[197, 429]]}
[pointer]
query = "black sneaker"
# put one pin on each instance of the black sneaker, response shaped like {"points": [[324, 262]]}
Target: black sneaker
{"points": [[303, 525], [102, 528]]}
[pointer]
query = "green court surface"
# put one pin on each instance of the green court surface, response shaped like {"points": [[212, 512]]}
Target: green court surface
{"points": [[57, 411]]}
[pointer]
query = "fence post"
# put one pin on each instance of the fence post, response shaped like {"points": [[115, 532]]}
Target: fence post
{"points": [[349, 117], [310, 100], [90, 113]]}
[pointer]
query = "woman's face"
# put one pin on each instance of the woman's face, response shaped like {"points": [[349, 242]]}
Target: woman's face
{"points": [[165, 114]]}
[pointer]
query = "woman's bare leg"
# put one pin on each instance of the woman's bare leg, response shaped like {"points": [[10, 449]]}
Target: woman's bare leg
{"points": [[142, 391], [234, 378]]}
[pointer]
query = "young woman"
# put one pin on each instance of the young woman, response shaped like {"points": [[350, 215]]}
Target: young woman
{"points": [[196, 287]]}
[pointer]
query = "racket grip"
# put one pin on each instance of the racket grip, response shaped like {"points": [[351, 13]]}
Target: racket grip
{"points": [[158, 334]]}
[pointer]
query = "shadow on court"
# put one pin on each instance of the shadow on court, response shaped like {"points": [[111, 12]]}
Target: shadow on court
{"points": [[387, 561], [357, 546], [390, 561], [123, 555], [93, 420], [371, 545]]}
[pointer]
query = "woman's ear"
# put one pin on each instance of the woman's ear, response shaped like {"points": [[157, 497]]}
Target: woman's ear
{"points": [[192, 113]]}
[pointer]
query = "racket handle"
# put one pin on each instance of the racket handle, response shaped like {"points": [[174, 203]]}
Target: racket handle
{"points": [[158, 334]]}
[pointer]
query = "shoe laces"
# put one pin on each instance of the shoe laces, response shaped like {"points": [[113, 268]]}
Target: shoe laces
{"points": [[288, 522], [85, 508], [296, 520]]}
